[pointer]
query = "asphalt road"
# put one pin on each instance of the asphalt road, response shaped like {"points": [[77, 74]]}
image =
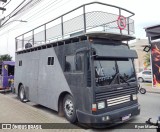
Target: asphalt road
{"points": [[13, 111], [150, 108]]}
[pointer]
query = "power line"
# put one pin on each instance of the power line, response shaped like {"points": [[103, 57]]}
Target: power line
{"points": [[35, 14], [46, 12], [43, 9], [17, 17], [50, 5], [18, 25], [24, 8], [6, 3], [29, 5], [9, 16], [10, 23], [29, 14]]}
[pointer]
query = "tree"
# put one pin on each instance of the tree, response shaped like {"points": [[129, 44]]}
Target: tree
{"points": [[5, 57], [147, 59]]}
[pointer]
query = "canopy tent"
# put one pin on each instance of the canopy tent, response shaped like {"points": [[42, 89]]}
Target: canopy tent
{"points": [[11, 63], [153, 32]]}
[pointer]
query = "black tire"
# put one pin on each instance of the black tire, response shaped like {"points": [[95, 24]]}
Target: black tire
{"points": [[142, 90], [140, 79], [69, 109], [22, 94]]}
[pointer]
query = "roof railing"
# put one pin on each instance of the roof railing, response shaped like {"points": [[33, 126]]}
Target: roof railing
{"points": [[88, 20]]}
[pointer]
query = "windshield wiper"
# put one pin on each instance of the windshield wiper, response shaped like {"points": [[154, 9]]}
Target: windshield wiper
{"points": [[114, 78], [101, 68], [124, 79]]}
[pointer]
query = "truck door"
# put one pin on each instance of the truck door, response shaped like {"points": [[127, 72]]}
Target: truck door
{"points": [[74, 72]]}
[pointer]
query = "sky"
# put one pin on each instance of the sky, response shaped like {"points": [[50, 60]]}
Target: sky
{"points": [[146, 14]]}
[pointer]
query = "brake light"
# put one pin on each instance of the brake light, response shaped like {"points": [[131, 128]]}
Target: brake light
{"points": [[94, 107]]}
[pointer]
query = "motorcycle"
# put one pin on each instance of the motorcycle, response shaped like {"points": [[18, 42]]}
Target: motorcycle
{"points": [[157, 124], [141, 90]]}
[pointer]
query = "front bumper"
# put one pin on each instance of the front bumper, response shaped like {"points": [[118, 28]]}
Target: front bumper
{"points": [[115, 117]]}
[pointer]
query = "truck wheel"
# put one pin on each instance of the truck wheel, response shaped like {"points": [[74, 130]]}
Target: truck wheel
{"points": [[69, 108], [140, 79], [22, 94]]}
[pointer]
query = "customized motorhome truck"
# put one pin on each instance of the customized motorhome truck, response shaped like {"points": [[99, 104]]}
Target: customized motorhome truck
{"points": [[82, 66]]}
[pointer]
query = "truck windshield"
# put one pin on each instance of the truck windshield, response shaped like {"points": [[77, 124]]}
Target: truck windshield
{"points": [[108, 72]]}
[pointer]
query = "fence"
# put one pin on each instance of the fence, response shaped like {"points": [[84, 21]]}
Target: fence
{"points": [[69, 25]]}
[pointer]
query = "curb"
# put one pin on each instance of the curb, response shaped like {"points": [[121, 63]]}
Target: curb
{"points": [[153, 92]]}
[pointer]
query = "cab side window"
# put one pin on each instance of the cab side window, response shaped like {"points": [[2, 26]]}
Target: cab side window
{"points": [[74, 63], [70, 63], [79, 59]]}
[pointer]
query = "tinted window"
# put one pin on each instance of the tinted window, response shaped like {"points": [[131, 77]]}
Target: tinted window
{"points": [[79, 58], [70, 63], [108, 72], [50, 60], [126, 71], [147, 72], [10, 70], [20, 63], [105, 72]]}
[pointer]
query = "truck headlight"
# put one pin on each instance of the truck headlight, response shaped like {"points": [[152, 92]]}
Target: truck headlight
{"points": [[101, 105], [134, 97], [105, 118]]}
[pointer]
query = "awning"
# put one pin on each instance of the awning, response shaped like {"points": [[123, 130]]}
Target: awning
{"points": [[11, 63], [153, 32]]}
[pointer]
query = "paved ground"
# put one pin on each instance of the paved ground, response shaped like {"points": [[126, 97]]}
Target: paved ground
{"points": [[13, 111], [150, 108]]}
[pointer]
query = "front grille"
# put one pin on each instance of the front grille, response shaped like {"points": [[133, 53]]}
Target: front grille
{"points": [[118, 100], [107, 95]]}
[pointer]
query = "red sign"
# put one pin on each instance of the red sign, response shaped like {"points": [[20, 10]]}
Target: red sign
{"points": [[121, 21]]}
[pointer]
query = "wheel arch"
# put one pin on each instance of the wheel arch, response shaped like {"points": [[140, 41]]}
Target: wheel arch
{"points": [[60, 102], [19, 85]]}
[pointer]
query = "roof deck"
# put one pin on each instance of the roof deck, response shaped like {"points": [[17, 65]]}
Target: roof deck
{"points": [[93, 19]]}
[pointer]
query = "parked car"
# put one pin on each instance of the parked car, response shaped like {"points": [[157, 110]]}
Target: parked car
{"points": [[144, 76]]}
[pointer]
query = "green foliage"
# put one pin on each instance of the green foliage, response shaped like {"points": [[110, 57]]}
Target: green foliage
{"points": [[5, 57], [147, 59]]}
